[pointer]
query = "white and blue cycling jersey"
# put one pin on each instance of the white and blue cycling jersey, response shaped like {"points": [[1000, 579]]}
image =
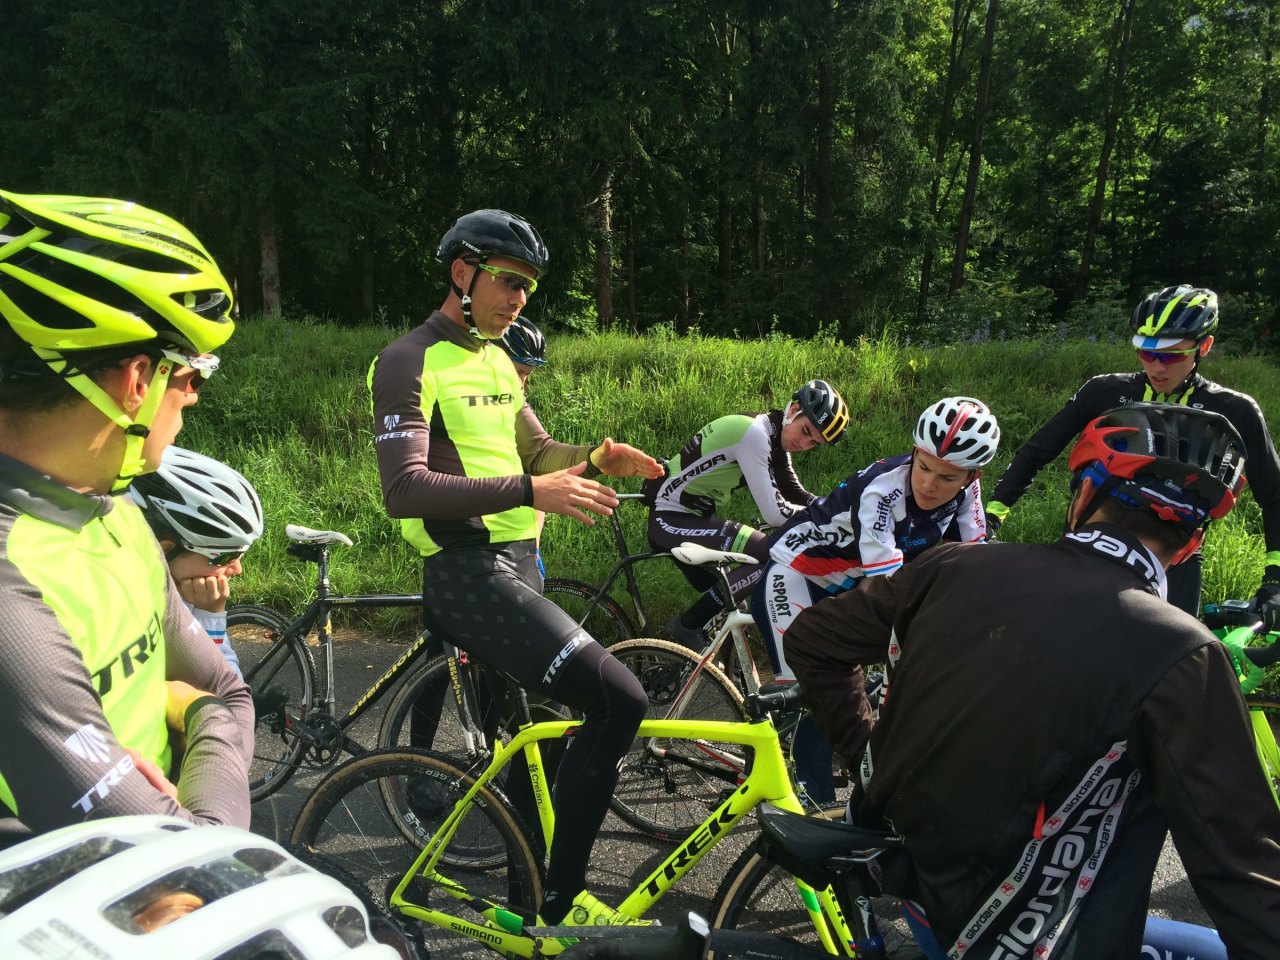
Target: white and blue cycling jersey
{"points": [[870, 525]]}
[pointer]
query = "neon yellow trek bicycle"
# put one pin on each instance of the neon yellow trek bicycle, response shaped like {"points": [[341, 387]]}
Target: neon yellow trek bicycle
{"points": [[441, 844]]}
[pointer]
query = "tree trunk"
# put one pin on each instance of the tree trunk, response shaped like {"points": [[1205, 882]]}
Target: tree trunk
{"points": [[961, 17], [724, 196], [1121, 59], [604, 255], [269, 271], [824, 204], [975, 148]]}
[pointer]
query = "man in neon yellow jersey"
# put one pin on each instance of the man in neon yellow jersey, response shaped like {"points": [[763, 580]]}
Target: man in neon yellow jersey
{"points": [[465, 465], [110, 311]]}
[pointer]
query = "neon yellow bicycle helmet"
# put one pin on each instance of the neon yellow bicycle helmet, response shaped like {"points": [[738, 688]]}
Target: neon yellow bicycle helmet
{"points": [[83, 273], [80, 276]]}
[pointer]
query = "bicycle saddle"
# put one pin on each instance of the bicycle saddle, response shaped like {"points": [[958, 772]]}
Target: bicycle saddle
{"points": [[306, 535], [696, 555], [816, 849]]}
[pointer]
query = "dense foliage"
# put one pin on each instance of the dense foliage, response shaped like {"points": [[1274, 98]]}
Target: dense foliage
{"points": [[305, 439], [946, 166]]}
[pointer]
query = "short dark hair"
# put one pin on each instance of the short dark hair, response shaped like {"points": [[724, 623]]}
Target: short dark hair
{"points": [[1168, 537], [28, 385]]}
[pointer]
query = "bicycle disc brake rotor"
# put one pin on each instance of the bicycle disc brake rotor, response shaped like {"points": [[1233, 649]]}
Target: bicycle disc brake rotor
{"points": [[661, 682]]}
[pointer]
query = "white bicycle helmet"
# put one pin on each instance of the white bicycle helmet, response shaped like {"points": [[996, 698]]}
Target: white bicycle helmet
{"points": [[200, 503], [960, 430], [156, 887]]}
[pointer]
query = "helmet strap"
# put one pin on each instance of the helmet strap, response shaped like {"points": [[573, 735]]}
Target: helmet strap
{"points": [[1188, 548], [466, 302], [137, 428]]}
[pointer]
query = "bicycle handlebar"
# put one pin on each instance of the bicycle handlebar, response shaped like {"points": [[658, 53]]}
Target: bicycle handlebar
{"points": [[1237, 622]]}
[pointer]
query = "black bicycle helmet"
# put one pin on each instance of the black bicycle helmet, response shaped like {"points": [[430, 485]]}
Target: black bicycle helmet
{"points": [[1175, 313], [525, 343], [494, 233], [825, 408], [1183, 464]]}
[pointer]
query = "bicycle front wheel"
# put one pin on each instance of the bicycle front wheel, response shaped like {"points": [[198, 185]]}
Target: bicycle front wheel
{"points": [[281, 674], [668, 786], [373, 815], [605, 620]]}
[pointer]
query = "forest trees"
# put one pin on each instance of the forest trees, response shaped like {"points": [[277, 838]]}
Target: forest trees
{"points": [[736, 165]]}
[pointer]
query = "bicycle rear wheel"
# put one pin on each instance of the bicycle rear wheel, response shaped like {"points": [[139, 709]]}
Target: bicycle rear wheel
{"points": [[373, 815], [281, 674], [759, 896], [423, 712], [606, 621], [667, 787]]}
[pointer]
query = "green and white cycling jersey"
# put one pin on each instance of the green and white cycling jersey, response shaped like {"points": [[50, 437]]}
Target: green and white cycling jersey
{"points": [[733, 451], [92, 627]]}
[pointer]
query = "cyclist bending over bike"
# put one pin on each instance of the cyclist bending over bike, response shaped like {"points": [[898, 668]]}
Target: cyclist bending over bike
{"points": [[751, 450], [464, 463], [1079, 713]]}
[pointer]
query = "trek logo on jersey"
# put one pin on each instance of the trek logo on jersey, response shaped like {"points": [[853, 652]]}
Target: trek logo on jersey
{"points": [[489, 399], [389, 431], [102, 789], [89, 743], [134, 656]]}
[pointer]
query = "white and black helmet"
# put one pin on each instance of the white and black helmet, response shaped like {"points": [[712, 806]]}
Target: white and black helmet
{"points": [[960, 430], [200, 503], [157, 887]]}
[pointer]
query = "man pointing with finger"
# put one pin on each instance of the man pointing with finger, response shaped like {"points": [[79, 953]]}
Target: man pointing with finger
{"points": [[464, 464]]}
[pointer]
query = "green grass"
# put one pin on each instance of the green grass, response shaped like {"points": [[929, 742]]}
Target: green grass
{"points": [[289, 408]]}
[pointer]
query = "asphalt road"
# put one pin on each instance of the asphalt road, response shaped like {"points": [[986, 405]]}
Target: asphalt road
{"points": [[621, 857]]}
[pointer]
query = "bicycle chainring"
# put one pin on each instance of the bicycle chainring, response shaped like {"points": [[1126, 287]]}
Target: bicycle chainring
{"points": [[325, 735]]}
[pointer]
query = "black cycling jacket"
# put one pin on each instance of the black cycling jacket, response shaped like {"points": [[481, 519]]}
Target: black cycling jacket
{"points": [[1032, 749], [1111, 390]]}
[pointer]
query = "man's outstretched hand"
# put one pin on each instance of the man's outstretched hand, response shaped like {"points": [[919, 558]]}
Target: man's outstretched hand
{"points": [[623, 460]]}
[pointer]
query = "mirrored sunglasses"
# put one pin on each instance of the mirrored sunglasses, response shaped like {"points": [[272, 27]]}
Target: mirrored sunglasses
{"points": [[1165, 356], [513, 281]]}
